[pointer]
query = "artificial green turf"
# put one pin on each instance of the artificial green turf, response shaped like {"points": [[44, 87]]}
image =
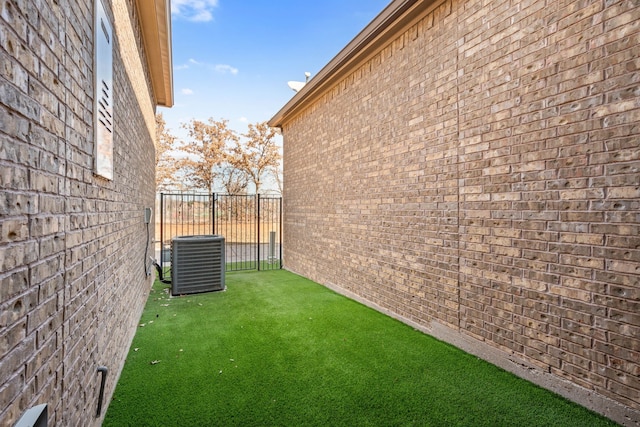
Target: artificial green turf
{"points": [[277, 349]]}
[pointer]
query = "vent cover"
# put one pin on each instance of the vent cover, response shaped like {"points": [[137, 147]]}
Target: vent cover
{"points": [[197, 264]]}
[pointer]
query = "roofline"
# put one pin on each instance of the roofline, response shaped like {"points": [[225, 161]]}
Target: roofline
{"points": [[155, 20], [398, 15]]}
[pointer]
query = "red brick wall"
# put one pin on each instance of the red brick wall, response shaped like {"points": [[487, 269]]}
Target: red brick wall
{"points": [[72, 245], [482, 172]]}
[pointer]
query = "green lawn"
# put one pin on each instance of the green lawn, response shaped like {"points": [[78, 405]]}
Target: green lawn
{"points": [[277, 349]]}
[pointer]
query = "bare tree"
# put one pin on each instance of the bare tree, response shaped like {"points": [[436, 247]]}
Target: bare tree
{"points": [[276, 171], [166, 165], [205, 151], [257, 154], [234, 181]]}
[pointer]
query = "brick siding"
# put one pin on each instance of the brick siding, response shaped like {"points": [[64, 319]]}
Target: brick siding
{"points": [[72, 245], [482, 173]]}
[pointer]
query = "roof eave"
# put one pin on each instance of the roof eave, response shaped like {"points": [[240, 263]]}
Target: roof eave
{"points": [[155, 20], [398, 15]]}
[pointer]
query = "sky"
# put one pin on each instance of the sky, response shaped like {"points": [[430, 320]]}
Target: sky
{"points": [[232, 58]]}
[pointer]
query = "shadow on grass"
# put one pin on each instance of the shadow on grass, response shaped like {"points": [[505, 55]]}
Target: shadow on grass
{"points": [[277, 349]]}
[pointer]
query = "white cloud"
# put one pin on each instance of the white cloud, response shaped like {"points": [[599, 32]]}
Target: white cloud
{"points": [[224, 68], [186, 91], [180, 67], [194, 10], [219, 68], [243, 120]]}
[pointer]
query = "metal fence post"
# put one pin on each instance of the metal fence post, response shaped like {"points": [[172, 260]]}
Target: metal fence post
{"points": [[213, 213], [280, 229], [258, 237]]}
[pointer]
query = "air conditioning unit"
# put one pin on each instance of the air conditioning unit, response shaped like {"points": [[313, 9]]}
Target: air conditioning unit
{"points": [[197, 264]]}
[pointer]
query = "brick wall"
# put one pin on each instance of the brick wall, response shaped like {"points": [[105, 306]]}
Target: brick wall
{"points": [[480, 175], [72, 245]]}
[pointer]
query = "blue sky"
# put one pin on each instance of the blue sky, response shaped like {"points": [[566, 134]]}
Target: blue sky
{"points": [[232, 58]]}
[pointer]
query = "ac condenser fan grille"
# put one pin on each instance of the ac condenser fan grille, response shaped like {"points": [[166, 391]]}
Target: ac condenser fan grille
{"points": [[197, 264]]}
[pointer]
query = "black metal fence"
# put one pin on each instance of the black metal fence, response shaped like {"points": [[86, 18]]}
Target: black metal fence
{"points": [[251, 226]]}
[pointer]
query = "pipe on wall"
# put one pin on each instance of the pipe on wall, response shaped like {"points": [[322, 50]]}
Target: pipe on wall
{"points": [[103, 370]]}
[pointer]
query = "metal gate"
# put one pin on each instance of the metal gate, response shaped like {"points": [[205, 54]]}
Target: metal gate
{"points": [[251, 226]]}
